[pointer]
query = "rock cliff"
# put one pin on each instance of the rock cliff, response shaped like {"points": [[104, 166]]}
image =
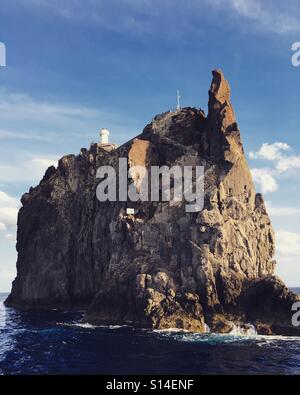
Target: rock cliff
{"points": [[161, 267]]}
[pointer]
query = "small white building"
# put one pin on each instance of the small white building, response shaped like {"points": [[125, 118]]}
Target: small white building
{"points": [[104, 143], [104, 133]]}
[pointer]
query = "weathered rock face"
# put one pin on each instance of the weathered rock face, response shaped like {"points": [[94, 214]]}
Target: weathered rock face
{"points": [[161, 267]]}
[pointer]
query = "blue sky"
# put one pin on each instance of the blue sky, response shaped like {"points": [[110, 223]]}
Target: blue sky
{"points": [[76, 66]]}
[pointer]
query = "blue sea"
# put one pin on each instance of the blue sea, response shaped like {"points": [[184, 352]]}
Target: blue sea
{"points": [[59, 343]]}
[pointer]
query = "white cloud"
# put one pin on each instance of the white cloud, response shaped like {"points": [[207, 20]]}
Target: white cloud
{"points": [[277, 152], [19, 112], [282, 211], [288, 244], [282, 162], [8, 215], [13, 135], [9, 207], [132, 16], [270, 151], [39, 165], [29, 170], [251, 9], [171, 16], [265, 179], [7, 200], [10, 236], [40, 120], [24, 107], [288, 163], [7, 274], [279, 18]]}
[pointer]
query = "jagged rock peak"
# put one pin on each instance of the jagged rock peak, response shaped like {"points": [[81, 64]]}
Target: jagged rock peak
{"points": [[220, 88]]}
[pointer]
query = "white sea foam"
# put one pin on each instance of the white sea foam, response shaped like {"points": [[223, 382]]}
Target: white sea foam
{"points": [[239, 333], [86, 325], [243, 330], [167, 330]]}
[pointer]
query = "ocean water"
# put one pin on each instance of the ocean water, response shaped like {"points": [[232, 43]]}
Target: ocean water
{"points": [[58, 343]]}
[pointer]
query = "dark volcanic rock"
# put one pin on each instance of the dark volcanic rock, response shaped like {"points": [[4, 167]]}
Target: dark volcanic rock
{"points": [[161, 267]]}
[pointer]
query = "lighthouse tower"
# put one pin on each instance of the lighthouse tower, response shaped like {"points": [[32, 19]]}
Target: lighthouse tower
{"points": [[104, 133], [104, 144]]}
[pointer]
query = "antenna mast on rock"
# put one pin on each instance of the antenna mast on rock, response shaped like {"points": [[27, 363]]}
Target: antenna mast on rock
{"points": [[178, 101]]}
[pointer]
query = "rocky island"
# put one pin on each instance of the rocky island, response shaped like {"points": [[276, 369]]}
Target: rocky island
{"points": [[159, 267]]}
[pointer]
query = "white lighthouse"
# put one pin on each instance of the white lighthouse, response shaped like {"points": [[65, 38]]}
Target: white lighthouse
{"points": [[104, 144], [104, 133]]}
